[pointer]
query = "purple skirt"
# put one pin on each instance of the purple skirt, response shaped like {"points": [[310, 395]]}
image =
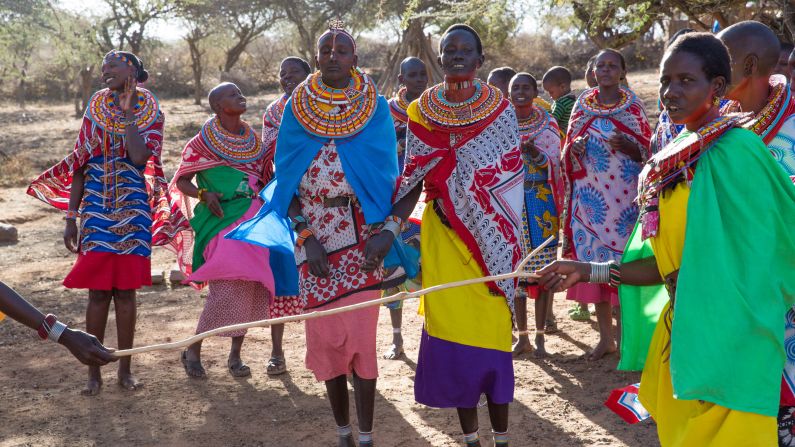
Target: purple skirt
{"points": [[452, 375]]}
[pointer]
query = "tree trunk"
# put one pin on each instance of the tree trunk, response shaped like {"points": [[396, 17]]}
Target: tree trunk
{"points": [[196, 68], [86, 77]]}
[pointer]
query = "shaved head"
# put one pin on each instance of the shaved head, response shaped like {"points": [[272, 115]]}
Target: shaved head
{"points": [[748, 40], [217, 92], [410, 63]]}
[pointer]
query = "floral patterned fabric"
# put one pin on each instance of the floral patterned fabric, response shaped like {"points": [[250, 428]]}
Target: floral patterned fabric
{"points": [[341, 230], [601, 183]]}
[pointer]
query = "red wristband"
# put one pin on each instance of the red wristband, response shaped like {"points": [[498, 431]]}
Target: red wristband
{"points": [[46, 326]]}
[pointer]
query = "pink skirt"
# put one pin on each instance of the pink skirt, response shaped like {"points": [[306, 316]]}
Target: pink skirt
{"points": [[233, 302], [590, 293], [99, 270], [344, 343]]}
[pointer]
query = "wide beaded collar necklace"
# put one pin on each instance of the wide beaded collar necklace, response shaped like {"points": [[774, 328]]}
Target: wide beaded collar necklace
{"points": [[104, 110], [240, 148], [329, 112], [435, 108]]}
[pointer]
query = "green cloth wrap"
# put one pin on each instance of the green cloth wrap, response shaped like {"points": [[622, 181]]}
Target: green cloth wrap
{"points": [[641, 307], [227, 181], [735, 285]]}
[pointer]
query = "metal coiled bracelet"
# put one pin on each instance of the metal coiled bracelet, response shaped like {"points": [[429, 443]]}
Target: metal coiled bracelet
{"points": [[605, 273]]}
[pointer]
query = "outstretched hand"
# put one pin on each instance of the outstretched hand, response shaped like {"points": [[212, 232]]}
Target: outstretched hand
{"points": [[376, 250], [562, 275], [86, 348]]}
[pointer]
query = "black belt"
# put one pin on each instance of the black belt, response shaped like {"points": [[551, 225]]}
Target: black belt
{"points": [[338, 202]]}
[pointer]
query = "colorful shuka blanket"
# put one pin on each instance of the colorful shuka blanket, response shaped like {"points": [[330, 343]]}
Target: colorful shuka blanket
{"points": [[600, 183], [474, 172], [542, 187], [102, 135]]}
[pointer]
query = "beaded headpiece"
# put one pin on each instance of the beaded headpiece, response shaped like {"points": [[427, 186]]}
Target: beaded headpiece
{"points": [[119, 56], [335, 28]]}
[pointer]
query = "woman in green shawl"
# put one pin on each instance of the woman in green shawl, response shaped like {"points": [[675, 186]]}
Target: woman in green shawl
{"points": [[716, 223]]}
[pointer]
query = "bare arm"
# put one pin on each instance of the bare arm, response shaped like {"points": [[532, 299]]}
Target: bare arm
{"points": [[70, 234], [86, 348]]}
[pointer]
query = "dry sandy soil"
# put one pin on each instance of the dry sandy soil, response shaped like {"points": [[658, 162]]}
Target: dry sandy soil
{"points": [[558, 400]]}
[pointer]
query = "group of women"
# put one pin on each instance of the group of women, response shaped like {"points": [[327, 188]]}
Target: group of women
{"points": [[319, 232]]}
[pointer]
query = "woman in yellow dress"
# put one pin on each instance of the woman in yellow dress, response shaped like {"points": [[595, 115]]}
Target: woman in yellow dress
{"points": [[718, 213]]}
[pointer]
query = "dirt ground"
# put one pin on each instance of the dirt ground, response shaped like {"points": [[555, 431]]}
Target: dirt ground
{"points": [[558, 400]]}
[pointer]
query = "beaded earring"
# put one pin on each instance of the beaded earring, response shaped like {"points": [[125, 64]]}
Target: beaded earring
{"points": [[716, 100]]}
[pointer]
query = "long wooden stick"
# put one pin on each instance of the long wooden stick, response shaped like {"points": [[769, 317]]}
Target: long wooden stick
{"points": [[518, 273]]}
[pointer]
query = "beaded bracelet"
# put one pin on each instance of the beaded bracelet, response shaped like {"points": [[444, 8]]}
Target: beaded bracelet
{"points": [[51, 328], [71, 215], [394, 224], [615, 274], [199, 194], [305, 234], [297, 220]]}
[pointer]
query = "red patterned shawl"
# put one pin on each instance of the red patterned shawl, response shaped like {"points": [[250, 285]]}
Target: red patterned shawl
{"points": [[55, 184], [479, 178]]}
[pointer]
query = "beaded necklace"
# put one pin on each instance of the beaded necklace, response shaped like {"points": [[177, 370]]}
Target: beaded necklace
{"points": [[329, 112], [274, 112], [674, 162], [398, 106], [765, 121], [104, 110], [534, 124], [435, 108], [243, 148], [589, 102]]}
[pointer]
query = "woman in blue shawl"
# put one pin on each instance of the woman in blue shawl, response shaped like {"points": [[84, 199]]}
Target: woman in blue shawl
{"points": [[336, 171]]}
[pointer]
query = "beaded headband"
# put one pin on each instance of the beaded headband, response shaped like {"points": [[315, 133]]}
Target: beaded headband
{"points": [[120, 56], [336, 27]]}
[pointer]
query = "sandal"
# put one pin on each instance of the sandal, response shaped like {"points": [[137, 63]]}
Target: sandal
{"points": [[276, 366], [239, 369], [393, 353], [192, 365]]}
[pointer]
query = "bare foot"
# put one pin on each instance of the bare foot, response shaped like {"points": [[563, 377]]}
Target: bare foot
{"points": [[395, 349], [129, 382], [541, 352], [93, 387], [346, 441], [522, 346], [602, 349]]}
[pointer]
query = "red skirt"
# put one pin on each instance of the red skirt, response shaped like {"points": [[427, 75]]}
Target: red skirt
{"points": [[97, 270]]}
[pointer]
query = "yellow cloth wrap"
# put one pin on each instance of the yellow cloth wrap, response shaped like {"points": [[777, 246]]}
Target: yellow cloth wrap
{"points": [[686, 423], [457, 315]]}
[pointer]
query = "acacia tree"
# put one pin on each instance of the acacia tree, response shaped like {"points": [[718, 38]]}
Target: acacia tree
{"points": [[125, 26], [494, 20], [311, 17], [245, 20], [197, 17]]}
